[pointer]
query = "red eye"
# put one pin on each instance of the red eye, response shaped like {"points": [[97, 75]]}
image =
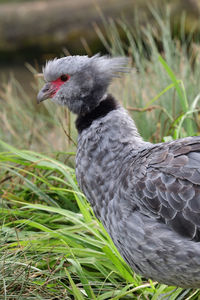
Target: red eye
{"points": [[64, 77]]}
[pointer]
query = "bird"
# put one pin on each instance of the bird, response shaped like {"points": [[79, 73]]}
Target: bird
{"points": [[146, 195]]}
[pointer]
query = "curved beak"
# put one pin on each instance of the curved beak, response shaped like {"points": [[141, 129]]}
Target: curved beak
{"points": [[44, 93]]}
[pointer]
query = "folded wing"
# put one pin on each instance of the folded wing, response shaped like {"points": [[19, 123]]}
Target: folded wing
{"points": [[167, 185]]}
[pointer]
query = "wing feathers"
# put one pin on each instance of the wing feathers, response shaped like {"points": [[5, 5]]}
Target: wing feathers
{"points": [[169, 185], [183, 226]]}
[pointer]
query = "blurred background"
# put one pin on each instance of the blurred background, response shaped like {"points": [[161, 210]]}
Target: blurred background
{"points": [[34, 31]]}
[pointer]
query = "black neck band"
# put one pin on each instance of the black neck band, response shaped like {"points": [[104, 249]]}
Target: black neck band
{"points": [[105, 106]]}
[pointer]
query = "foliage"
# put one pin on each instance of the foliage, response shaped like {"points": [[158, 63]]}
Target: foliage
{"points": [[154, 93], [163, 94], [27, 125], [51, 243]]}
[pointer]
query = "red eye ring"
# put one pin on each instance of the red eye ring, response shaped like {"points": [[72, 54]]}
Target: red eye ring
{"points": [[56, 84], [64, 77]]}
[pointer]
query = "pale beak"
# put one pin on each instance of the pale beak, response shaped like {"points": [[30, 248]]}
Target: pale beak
{"points": [[45, 92]]}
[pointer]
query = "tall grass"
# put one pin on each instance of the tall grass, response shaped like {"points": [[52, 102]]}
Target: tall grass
{"points": [[51, 243], [44, 128], [164, 84], [165, 97], [52, 246]]}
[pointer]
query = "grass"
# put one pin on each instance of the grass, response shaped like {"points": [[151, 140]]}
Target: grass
{"points": [[52, 246], [164, 95], [53, 250], [28, 125], [159, 92]]}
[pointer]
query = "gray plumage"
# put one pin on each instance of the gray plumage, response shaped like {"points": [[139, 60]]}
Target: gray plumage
{"points": [[147, 196]]}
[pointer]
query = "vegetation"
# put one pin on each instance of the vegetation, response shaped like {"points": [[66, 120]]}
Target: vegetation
{"points": [[52, 246]]}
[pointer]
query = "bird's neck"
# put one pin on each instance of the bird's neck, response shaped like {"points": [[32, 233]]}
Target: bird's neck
{"points": [[108, 142], [106, 105]]}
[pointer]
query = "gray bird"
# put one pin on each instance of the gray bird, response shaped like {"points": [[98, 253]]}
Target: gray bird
{"points": [[146, 195]]}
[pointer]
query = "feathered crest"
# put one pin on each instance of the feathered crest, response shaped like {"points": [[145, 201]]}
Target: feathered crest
{"points": [[107, 66], [111, 66]]}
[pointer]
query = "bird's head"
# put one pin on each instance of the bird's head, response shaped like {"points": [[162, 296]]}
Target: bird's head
{"points": [[80, 82]]}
